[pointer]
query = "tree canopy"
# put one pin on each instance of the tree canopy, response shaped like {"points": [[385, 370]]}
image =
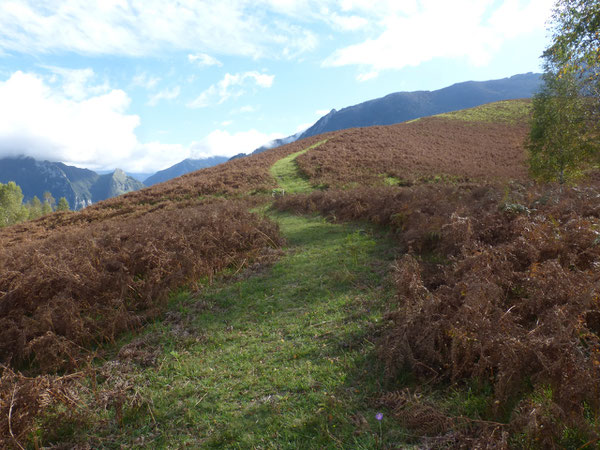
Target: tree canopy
{"points": [[11, 204], [564, 138]]}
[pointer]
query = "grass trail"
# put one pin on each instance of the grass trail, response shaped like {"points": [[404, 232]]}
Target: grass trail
{"points": [[278, 359], [288, 176]]}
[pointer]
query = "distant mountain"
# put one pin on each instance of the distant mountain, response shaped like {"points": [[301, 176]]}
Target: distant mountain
{"points": [[113, 184], [185, 166], [140, 176], [403, 106], [81, 187]]}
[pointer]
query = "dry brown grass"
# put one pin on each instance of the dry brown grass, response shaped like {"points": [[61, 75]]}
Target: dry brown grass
{"points": [[82, 287], [417, 151], [72, 281], [499, 286]]}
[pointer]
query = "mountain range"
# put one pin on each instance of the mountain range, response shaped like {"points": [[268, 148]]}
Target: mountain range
{"points": [[81, 187]]}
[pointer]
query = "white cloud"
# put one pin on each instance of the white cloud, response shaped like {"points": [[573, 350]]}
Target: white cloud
{"points": [[86, 130], [390, 34], [145, 81], [76, 83], [41, 121], [146, 27], [222, 142], [303, 127], [348, 23], [367, 76], [165, 94], [421, 30], [231, 86], [204, 60], [247, 109]]}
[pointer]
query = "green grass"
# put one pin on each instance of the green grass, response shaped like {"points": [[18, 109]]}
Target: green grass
{"points": [[288, 175], [279, 359], [508, 111], [389, 180]]}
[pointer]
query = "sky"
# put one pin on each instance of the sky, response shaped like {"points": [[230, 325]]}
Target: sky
{"points": [[144, 84]]}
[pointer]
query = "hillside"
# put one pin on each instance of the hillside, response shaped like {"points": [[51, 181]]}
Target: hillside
{"points": [[386, 287], [404, 106], [81, 187]]}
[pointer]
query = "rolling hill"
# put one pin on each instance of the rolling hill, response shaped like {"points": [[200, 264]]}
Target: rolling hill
{"points": [[411, 287]]}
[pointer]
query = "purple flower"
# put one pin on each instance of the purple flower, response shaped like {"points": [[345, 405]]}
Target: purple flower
{"points": [[379, 416]]}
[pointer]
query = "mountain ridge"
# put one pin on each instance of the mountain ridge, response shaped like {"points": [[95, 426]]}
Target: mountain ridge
{"points": [[186, 166], [402, 106], [81, 187]]}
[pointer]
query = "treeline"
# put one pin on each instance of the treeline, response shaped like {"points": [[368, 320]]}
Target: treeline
{"points": [[13, 210]]}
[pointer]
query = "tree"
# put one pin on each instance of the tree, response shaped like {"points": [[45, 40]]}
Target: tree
{"points": [[564, 136], [49, 199], [63, 205], [11, 204], [559, 142], [576, 43], [46, 208], [35, 208]]}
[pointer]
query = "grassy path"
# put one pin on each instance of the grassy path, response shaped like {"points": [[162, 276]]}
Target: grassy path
{"points": [[280, 359], [287, 174], [277, 358]]}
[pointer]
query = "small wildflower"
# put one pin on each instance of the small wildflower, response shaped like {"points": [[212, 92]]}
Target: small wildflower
{"points": [[379, 416]]}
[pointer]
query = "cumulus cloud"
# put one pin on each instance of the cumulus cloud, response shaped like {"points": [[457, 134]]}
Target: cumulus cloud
{"points": [[419, 31], [204, 60], [231, 86], [45, 123], [94, 130]]}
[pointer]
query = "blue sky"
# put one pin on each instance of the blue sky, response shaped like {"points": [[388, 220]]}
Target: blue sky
{"points": [[144, 84]]}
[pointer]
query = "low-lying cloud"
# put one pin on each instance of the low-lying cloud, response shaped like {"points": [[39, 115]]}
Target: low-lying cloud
{"points": [[93, 129]]}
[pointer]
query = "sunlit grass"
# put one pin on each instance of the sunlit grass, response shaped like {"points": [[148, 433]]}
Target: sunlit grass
{"points": [[288, 175], [280, 359], [508, 111]]}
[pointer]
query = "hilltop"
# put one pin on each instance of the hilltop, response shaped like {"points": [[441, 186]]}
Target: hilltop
{"points": [[284, 299]]}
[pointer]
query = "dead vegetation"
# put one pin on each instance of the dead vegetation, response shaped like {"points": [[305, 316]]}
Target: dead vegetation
{"points": [[419, 151], [79, 288], [498, 285]]}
